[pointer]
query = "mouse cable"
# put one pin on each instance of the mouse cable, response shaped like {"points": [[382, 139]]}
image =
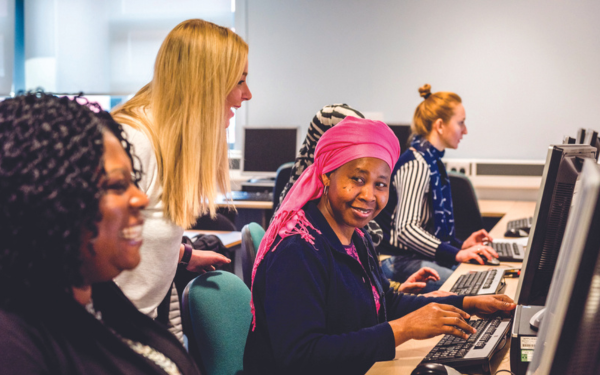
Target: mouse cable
{"points": [[505, 371]]}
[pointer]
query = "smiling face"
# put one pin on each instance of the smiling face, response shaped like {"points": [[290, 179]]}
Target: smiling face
{"points": [[357, 192], [453, 131], [117, 245], [239, 94]]}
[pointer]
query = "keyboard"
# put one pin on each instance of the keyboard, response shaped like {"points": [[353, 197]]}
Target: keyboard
{"points": [[479, 283], [491, 337], [262, 196], [520, 223], [508, 251], [519, 227]]}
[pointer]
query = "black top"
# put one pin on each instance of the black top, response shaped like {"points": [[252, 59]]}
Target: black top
{"points": [[63, 338]]}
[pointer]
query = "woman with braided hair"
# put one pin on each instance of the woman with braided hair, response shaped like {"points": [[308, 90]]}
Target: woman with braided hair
{"points": [[71, 221]]}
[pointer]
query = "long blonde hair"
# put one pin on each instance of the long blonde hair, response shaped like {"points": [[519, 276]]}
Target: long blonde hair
{"points": [[182, 111], [435, 106]]}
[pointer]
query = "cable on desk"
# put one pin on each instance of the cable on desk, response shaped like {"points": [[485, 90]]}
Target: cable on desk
{"points": [[505, 371]]}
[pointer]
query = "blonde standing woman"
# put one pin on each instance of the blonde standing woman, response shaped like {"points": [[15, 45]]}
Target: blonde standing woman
{"points": [[177, 124]]}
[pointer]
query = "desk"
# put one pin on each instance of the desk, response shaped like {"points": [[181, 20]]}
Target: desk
{"points": [[410, 354], [257, 205]]}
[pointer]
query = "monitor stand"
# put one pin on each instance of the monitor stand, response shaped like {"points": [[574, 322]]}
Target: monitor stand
{"points": [[536, 319], [264, 180]]}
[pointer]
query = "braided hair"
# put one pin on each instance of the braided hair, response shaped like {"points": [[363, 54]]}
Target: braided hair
{"points": [[51, 166]]}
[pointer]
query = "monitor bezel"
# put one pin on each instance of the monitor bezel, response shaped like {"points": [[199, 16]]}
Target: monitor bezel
{"points": [[556, 153], [578, 263]]}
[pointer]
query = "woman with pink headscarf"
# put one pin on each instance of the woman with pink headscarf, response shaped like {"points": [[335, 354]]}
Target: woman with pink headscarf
{"points": [[321, 304]]}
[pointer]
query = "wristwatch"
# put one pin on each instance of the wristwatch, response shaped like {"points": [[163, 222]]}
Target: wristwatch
{"points": [[187, 254]]}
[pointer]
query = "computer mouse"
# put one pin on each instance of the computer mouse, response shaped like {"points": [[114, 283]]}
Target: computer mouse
{"points": [[434, 369], [517, 232], [486, 261]]}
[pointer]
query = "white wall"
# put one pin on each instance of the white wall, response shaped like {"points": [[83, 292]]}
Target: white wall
{"points": [[7, 45], [528, 71]]}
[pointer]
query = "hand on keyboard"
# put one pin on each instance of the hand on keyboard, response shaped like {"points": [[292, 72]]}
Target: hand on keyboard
{"points": [[487, 305], [430, 321], [418, 280], [438, 293]]}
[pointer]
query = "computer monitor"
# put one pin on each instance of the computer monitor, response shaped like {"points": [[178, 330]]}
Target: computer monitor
{"points": [[561, 172], [569, 338], [580, 136], [266, 149], [402, 132], [591, 138]]}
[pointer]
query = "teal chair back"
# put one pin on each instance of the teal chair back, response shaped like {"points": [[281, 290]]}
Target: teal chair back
{"points": [[216, 310], [282, 177], [252, 234]]}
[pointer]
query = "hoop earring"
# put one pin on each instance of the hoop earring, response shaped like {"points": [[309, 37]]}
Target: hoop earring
{"points": [[326, 190]]}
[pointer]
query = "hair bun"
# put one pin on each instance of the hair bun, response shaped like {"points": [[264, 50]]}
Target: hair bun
{"points": [[425, 91]]}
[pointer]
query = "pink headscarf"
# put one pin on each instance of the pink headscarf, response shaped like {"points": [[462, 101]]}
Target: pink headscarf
{"points": [[351, 139]]}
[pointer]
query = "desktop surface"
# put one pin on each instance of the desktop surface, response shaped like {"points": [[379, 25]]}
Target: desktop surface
{"points": [[262, 196], [411, 353]]}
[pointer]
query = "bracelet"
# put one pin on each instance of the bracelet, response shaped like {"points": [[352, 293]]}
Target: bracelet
{"points": [[187, 254]]}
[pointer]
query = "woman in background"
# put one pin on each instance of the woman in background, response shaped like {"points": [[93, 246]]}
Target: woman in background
{"points": [[177, 123], [70, 222], [418, 222], [320, 301]]}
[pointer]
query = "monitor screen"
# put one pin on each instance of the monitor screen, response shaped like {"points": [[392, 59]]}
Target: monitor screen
{"points": [[569, 337], [561, 173], [266, 149], [580, 136]]}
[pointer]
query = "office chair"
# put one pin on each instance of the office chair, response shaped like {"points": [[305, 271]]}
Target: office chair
{"points": [[283, 176], [252, 234], [216, 312], [467, 217]]}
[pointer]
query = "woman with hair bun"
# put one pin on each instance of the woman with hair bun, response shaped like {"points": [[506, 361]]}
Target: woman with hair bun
{"points": [[177, 123], [418, 222]]}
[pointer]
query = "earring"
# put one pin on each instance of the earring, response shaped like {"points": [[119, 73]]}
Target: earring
{"points": [[326, 190]]}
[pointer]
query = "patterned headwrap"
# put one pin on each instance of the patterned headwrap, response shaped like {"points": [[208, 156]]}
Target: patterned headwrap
{"points": [[351, 139], [327, 117]]}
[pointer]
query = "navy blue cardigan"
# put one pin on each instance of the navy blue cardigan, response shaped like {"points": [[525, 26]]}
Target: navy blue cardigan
{"points": [[315, 311]]}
